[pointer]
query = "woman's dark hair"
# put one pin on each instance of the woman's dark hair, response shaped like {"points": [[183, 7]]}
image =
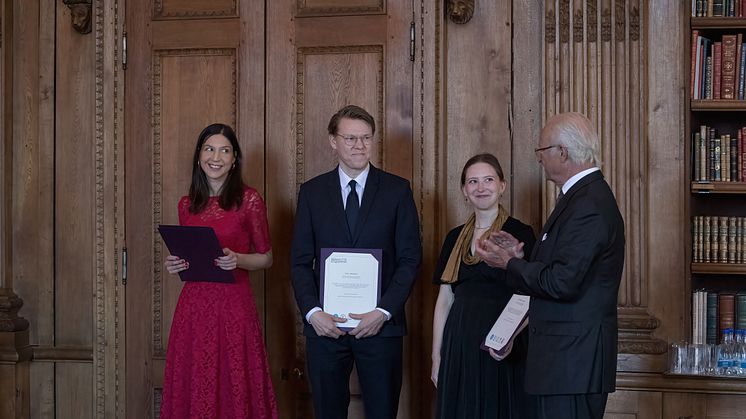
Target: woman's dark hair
{"points": [[351, 112], [483, 158], [231, 193]]}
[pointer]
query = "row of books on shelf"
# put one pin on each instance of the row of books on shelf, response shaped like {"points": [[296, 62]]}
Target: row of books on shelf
{"points": [[718, 158], [713, 312], [718, 239], [718, 67], [718, 8]]}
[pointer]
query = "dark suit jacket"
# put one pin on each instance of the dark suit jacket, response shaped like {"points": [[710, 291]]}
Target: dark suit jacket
{"points": [[387, 220], [573, 280]]}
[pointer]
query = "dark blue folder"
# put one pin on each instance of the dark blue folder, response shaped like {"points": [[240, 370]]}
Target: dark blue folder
{"points": [[199, 246]]}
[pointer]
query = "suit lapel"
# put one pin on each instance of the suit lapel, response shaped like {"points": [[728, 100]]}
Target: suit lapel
{"points": [[563, 203], [334, 197], [369, 195]]}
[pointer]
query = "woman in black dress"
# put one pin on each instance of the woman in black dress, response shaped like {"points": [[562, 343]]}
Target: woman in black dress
{"points": [[471, 384]]}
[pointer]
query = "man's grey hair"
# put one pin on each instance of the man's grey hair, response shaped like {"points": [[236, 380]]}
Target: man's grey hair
{"points": [[576, 133]]}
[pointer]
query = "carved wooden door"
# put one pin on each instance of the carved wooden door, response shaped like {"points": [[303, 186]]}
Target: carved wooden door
{"points": [[322, 55], [193, 63], [189, 64]]}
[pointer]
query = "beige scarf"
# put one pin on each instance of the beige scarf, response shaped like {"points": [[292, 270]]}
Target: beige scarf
{"points": [[462, 249]]}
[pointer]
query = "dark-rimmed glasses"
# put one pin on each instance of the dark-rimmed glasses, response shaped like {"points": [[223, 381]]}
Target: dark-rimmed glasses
{"points": [[351, 140], [540, 149]]}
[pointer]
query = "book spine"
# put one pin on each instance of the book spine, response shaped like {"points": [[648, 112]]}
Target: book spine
{"points": [[742, 72], [741, 310], [692, 76], [733, 156], [723, 237], [726, 312], [729, 66], [697, 175], [717, 69], [717, 175], [732, 240], [706, 245], [697, 239], [712, 318], [708, 78], [743, 154], [725, 157]]}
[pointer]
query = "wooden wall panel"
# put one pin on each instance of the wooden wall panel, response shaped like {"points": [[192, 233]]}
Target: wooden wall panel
{"points": [[667, 179], [329, 76], [594, 53], [42, 390], [478, 92], [634, 405], [33, 167], [74, 393], [192, 89], [74, 182]]}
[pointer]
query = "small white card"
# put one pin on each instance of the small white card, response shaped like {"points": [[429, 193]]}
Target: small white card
{"points": [[508, 324]]}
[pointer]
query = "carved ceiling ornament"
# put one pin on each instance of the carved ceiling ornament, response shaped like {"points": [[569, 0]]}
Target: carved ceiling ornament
{"points": [[620, 21], [577, 26], [80, 15], [634, 24], [564, 18], [460, 11], [550, 26], [592, 20], [606, 25]]}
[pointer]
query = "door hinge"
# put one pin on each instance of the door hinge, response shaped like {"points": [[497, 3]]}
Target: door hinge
{"points": [[124, 49], [124, 266], [411, 41]]}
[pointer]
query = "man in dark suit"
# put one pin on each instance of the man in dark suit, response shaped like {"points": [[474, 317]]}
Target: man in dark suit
{"points": [[573, 277], [355, 205]]}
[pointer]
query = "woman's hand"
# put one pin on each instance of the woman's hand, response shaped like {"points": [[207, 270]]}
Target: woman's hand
{"points": [[434, 371], [227, 262], [175, 264]]}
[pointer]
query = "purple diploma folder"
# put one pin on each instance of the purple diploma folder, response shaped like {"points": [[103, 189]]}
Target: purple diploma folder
{"points": [[199, 246]]}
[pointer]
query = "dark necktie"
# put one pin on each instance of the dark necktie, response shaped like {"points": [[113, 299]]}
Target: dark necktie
{"points": [[352, 207]]}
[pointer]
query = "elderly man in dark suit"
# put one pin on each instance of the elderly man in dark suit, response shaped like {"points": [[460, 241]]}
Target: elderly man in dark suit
{"points": [[573, 277], [356, 205]]}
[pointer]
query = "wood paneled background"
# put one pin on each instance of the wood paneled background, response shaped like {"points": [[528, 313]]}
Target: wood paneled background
{"points": [[281, 67]]}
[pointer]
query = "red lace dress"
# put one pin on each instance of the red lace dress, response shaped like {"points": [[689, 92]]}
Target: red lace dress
{"points": [[216, 365]]}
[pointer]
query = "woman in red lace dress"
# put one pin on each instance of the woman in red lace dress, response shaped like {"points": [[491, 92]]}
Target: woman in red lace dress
{"points": [[216, 365]]}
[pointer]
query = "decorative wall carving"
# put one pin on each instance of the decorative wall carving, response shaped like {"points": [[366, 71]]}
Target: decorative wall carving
{"points": [[460, 11], [602, 80], [10, 303], [306, 9], [229, 9], [80, 14], [592, 13]]}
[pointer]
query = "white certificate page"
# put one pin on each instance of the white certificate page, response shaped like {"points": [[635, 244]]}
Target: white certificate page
{"points": [[350, 285], [507, 324]]}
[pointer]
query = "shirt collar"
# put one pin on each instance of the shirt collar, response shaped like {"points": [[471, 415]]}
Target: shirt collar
{"points": [[360, 179], [574, 179]]}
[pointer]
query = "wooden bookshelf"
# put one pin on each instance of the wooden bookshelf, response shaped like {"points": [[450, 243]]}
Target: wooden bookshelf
{"points": [[719, 268], [718, 22], [719, 187], [720, 105]]}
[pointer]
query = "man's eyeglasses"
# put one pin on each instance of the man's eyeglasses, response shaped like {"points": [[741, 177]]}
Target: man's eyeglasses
{"points": [[351, 140], [540, 149]]}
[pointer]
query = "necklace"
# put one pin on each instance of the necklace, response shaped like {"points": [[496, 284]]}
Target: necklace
{"points": [[481, 228]]}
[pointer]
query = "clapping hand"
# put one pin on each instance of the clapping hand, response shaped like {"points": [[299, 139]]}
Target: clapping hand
{"points": [[498, 249]]}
